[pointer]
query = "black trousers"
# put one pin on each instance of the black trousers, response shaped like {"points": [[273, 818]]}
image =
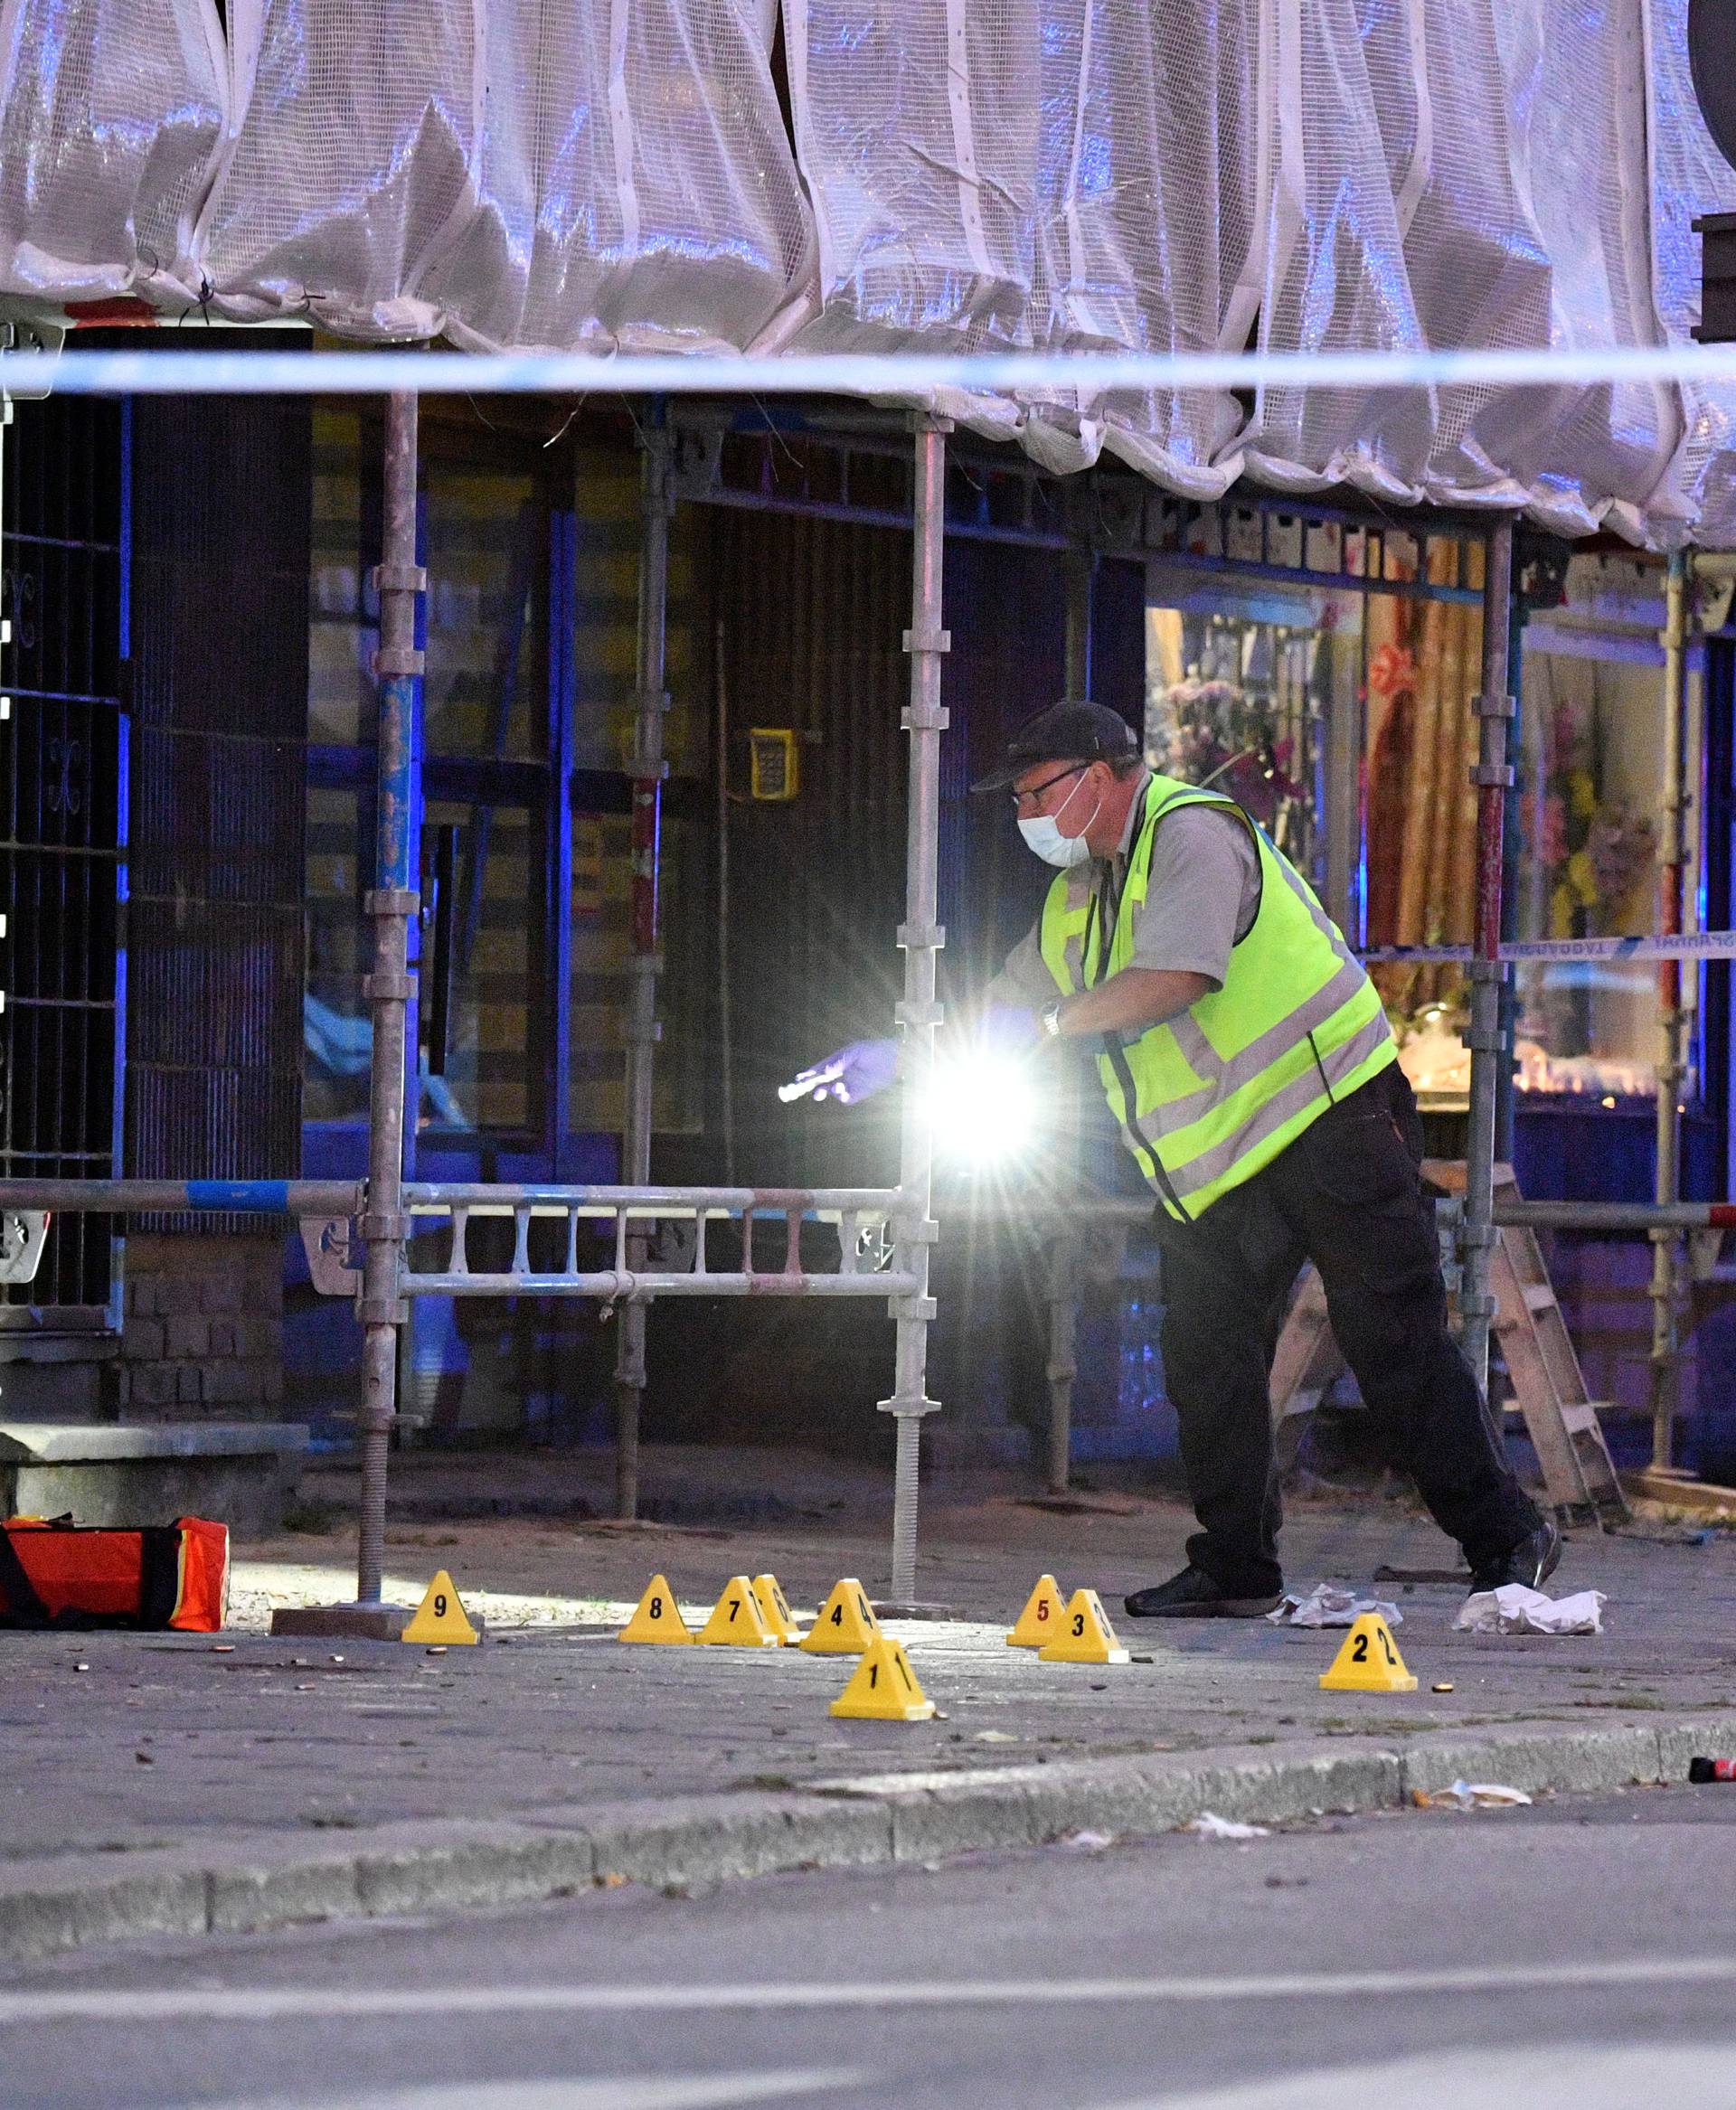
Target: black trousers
{"points": [[1345, 1195]]}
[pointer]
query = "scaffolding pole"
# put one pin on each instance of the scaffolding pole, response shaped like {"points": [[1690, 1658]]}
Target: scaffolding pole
{"points": [[1062, 1295], [390, 903], [648, 767], [1666, 1245], [1081, 571], [920, 938], [1492, 776]]}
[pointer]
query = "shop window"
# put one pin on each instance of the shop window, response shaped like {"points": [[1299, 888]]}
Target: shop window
{"points": [[494, 1032], [485, 690], [1232, 706], [345, 614], [335, 1031], [1589, 770], [601, 868], [1589, 798], [493, 512]]}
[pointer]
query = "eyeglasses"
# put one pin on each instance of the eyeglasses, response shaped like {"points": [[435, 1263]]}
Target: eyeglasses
{"points": [[1048, 784]]}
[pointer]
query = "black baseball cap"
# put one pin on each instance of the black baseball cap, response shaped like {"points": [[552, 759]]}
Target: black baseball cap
{"points": [[1067, 731]]}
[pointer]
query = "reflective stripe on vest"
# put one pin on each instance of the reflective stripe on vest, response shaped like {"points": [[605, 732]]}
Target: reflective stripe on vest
{"points": [[1234, 1079]]}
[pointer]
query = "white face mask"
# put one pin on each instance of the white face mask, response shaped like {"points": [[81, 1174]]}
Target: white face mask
{"points": [[1042, 834]]}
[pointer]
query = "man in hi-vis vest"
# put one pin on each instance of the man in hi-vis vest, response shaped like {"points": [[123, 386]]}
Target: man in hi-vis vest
{"points": [[1251, 1068]]}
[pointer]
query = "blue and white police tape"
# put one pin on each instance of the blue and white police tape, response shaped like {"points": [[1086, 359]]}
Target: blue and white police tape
{"points": [[1688, 945]]}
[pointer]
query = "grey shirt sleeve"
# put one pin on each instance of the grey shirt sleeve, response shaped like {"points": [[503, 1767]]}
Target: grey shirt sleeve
{"points": [[1204, 894], [1024, 980]]}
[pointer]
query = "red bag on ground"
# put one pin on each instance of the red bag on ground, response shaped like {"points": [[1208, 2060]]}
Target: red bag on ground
{"points": [[54, 1573]]}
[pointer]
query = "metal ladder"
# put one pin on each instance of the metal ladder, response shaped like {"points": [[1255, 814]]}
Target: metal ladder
{"points": [[1548, 1387]]}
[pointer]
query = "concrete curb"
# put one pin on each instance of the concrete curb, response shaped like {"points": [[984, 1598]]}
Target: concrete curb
{"points": [[236, 1884]]}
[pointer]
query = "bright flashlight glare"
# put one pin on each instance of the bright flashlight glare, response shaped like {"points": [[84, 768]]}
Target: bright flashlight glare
{"points": [[984, 1107]]}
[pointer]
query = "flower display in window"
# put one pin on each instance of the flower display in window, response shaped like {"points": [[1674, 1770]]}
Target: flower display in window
{"points": [[1216, 733]]}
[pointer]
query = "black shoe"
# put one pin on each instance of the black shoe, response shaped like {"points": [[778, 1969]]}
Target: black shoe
{"points": [[1192, 1595], [1532, 1561]]}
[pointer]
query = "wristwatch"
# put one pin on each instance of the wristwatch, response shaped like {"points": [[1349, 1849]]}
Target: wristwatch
{"points": [[1049, 1017]]}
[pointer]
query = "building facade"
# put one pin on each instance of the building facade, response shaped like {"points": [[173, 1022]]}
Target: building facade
{"points": [[191, 766]]}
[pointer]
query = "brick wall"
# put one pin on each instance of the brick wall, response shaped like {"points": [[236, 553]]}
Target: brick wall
{"points": [[203, 1337]]}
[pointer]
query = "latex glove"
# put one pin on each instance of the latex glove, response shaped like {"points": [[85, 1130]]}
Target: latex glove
{"points": [[855, 1073], [1008, 1029]]}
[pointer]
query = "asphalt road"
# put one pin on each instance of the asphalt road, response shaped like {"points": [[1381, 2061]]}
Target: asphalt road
{"points": [[1580, 1954]]}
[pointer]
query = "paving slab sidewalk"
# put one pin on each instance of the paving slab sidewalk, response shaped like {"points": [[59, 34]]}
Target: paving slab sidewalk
{"points": [[174, 1783]]}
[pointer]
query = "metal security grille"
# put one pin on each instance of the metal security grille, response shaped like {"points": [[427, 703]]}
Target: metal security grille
{"points": [[216, 941], [62, 773]]}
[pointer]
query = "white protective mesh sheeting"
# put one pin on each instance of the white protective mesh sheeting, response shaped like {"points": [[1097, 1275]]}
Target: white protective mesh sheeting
{"points": [[1575, 73], [1479, 273], [350, 170], [1689, 176], [1335, 268], [109, 113], [1045, 174], [915, 125], [1148, 211], [636, 186]]}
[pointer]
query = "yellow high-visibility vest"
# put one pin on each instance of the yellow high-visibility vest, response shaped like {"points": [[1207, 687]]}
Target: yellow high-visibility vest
{"points": [[1206, 1100]]}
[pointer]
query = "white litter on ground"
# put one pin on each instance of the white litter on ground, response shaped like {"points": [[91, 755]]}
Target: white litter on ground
{"points": [[1209, 1825], [1086, 1842], [1515, 1609], [1332, 1604], [1475, 1795]]}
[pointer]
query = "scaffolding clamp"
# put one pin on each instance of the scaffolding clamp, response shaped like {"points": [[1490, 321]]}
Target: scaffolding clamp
{"points": [[389, 988], [391, 902], [912, 1404], [1494, 706], [389, 662], [927, 641], [931, 719], [398, 578], [1492, 776], [921, 937]]}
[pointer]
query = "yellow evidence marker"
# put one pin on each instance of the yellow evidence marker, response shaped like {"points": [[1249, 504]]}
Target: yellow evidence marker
{"points": [[1086, 1635], [885, 1687], [737, 1621], [846, 1625], [440, 1616], [1041, 1619], [774, 1609], [658, 1616], [1369, 1662]]}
